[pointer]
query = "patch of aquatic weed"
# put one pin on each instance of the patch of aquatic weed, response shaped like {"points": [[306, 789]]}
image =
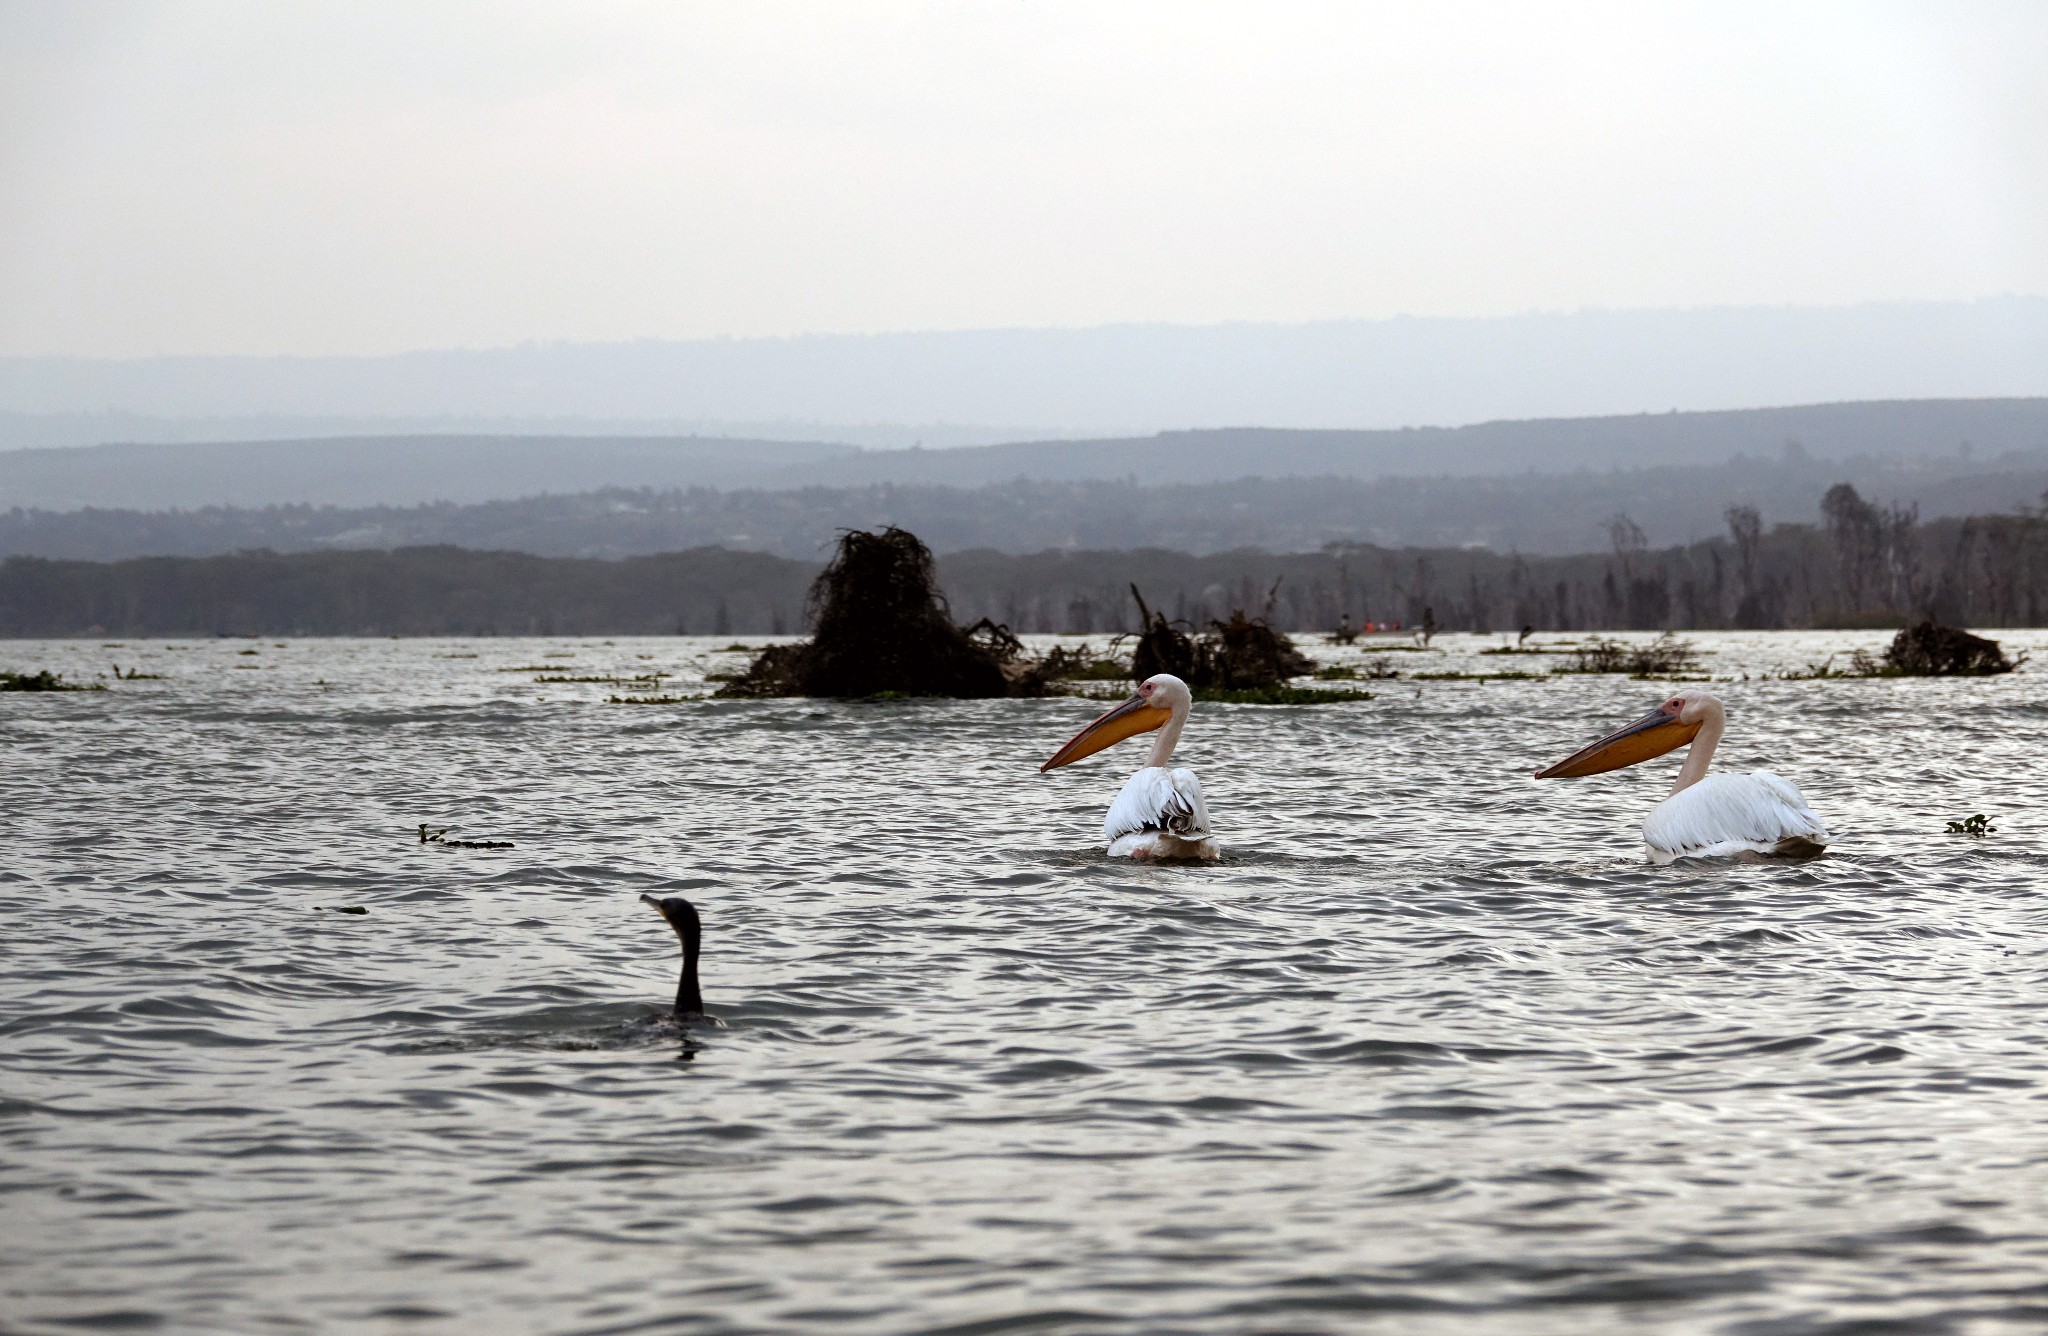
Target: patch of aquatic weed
{"points": [[1505, 675], [636, 680], [1082, 663], [1279, 695], [1666, 656], [1926, 650], [1933, 650], [881, 627], [44, 680], [1242, 654]]}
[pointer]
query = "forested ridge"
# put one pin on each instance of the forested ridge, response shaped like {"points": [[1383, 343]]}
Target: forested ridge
{"points": [[1859, 564], [1550, 513]]}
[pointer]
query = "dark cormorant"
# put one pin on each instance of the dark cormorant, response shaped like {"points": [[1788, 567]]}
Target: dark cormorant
{"points": [[682, 916]]}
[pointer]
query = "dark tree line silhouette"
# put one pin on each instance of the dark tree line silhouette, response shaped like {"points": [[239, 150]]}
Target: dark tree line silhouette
{"points": [[1861, 565]]}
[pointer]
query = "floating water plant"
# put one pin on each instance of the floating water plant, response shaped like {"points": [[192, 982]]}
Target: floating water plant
{"points": [[44, 680], [439, 835], [649, 700], [135, 675], [1505, 675], [1279, 695], [1665, 656], [1244, 653], [1927, 650], [638, 679], [1082, 664], [882, 626], [1978, 825], [1933, 650]]}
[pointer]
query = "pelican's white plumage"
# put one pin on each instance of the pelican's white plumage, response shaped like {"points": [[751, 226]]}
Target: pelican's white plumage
{"points": [[1727, 815], [1159, 813], [1706, 816]]}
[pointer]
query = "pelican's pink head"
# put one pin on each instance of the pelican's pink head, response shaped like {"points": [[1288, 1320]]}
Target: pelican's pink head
{"points": [[1665, 729], [1158, 699]]}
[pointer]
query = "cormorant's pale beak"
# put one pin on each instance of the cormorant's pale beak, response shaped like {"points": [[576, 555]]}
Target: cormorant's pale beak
{"points": [[1650, 736], [1134, 716], [653, 904]]}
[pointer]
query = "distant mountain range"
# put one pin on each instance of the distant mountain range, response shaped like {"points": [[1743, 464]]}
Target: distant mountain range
{"points": [[1968, 435], [1118, 380]]}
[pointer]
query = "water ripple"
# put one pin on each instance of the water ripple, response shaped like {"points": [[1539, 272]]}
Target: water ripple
{"points": [[1433, 1050]]}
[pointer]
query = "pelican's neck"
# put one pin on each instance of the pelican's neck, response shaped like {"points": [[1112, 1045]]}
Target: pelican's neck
{"points": [[1168, 736], [1701, 754]]}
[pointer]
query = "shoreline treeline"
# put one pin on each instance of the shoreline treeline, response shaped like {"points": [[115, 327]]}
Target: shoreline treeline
{"points": [[1548, 513], [1861, 565]]}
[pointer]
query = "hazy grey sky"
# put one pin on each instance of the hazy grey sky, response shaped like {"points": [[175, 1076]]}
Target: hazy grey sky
{"points": [[369, 177]]}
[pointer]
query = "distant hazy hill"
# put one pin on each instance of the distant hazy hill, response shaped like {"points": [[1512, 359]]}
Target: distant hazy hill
{"points": [[1882, 430], [1119, 380], [42, 431], [399, 471], [377, 470]]}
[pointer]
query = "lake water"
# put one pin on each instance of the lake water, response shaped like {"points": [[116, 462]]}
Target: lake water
{"points": [[1435, 1050]]}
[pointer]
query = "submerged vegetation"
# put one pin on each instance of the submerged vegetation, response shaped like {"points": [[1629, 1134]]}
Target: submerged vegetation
{"points": [[1279, 695], [1241, 654], [1933, 650], [1925, 650], [881, 626], [1666, 656], [43, 680]]}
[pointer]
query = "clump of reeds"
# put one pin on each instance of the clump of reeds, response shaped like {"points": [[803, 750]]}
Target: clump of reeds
{"points": [[43, 680], [882, 629], [1927, 650], [1279, 695], [1242, 654], [1082, 663], [1663, 657]]}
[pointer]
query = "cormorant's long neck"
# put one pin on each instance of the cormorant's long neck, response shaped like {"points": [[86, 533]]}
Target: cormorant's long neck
{"points": [[1168, 736], [689, 1002], [1701, 753]]}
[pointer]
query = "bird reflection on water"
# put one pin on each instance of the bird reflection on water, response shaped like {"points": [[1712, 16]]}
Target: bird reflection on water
{"points": [[1469, 1064]]}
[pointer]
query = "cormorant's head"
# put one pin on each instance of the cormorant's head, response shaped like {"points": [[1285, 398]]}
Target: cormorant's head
{"points": [[680, 913]]}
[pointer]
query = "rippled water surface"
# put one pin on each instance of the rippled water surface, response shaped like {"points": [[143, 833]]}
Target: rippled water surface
{"points": [[1434, 1050]]}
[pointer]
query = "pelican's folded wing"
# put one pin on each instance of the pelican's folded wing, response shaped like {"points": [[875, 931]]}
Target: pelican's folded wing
{"points": [[1159, 799], [1727, 814]]}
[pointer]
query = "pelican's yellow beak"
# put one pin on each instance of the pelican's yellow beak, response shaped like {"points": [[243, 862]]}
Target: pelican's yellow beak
{"points": [[1136, 715], [1650, 736]]}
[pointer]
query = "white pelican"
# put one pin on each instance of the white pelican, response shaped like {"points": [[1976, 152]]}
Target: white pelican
{"points": [[1706, 816], [1160, 812]]}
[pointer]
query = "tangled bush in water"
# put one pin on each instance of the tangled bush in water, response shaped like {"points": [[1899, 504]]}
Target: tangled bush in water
{"points": [[1662, 657]]}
